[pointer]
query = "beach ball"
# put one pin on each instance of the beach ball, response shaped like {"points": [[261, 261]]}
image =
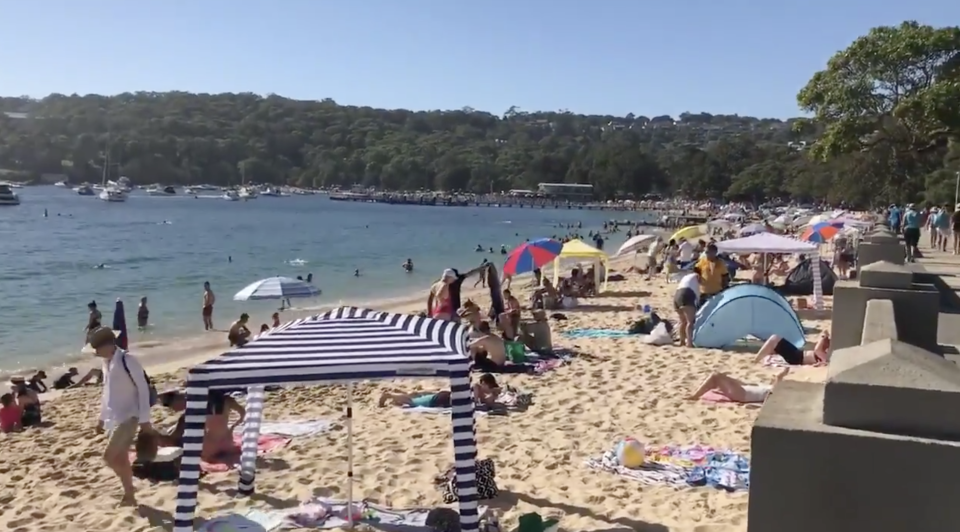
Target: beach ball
{"points": [[630, 453]]}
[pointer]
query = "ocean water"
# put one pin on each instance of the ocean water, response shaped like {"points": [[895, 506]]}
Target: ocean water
{"points": [[164, 248]]}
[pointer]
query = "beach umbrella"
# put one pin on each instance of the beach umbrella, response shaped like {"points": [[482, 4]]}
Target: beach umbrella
{"points": [[691, 231], [821, 232], [532, 255], [636, 243], [120, 325], [276, 288], [752, 229]]}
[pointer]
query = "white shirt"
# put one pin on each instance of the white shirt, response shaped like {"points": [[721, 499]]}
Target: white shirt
{"points": [[653, 249], [691, 281], [686, 251], [124, 395]]}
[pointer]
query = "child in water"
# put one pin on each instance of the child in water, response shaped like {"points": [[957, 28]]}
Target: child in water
{"points": [[143, 313]]}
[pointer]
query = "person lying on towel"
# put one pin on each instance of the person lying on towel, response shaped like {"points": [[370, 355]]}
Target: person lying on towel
{"points": [[793, 356], [735, 389], [484, 392], [218, 442]]}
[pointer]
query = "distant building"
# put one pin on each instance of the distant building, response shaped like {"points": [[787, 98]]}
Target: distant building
{"points": [[566, 191], [18, 116]]}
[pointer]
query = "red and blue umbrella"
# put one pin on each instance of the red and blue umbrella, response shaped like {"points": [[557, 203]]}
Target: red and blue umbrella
{"points": [[821, 232], [120, 325], [531, 255]]}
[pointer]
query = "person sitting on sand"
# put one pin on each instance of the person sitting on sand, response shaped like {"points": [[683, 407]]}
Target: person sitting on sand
{"points": [[28, 401], [546, 296], [488, 350], [93, 374], [484, 392], [775, 345], [66, 380], [735, 389], [10, 414], [509, 320], [218, 441], [239, 334]]}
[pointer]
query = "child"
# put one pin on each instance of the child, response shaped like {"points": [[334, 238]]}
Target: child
{"points": [[143, 313], [10, 414]]}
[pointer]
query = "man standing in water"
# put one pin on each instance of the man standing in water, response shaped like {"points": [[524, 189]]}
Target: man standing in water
{"points": [[125, 406], [208, 300]]}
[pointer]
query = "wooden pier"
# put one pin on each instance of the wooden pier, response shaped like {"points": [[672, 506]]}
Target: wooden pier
{"points": [[518, 203]]}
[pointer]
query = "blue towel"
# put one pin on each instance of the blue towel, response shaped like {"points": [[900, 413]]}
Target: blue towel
{"points": [[596, 333]]}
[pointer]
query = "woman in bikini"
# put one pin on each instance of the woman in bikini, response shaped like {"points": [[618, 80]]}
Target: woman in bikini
{"points": [[794, 356], [218, 441], [484, 392], [735, 389]]}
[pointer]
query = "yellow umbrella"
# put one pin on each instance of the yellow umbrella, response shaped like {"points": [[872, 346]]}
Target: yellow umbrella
{"points": [[691, 231]]}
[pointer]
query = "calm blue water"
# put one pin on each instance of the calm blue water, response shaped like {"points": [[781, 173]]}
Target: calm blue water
{"points": [[48, 275]]}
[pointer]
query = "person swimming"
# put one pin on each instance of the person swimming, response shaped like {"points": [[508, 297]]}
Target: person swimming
{"points": [[408, 265]]}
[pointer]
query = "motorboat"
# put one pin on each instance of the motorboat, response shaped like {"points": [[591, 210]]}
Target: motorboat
{"points": [[247, 193], [62, 184], [165, 191], [270, 191], [85, 190], [206, 187], [113, 195], [231, 195], [7, 196]]}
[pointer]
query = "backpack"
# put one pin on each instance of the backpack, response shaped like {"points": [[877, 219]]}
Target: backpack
{"points": [[153, 389]]}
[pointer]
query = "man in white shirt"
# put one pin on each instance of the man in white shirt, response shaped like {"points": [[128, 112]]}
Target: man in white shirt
{"points": [[652, 253], [686, 253], [125, 406]]}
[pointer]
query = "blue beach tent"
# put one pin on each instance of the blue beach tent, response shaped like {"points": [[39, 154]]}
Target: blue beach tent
{"points": [[746, 310]]}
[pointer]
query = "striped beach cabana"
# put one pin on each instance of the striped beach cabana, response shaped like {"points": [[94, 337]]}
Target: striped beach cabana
{"points": [[344, 345]]}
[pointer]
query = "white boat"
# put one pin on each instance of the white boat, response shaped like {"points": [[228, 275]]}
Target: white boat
{"points": [[7, 196], [270, 191], [247, 193], [206, 187], [84, 190], [61, 184], [110, 191], [165, 191], [231, 195]]}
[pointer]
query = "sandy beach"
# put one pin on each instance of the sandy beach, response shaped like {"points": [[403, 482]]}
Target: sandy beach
{"points": [[54, 478]]}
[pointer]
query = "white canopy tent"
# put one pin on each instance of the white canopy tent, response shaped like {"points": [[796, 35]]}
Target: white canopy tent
{"points": [[773, 243]]}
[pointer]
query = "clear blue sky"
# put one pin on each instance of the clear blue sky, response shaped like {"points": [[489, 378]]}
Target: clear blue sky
{"points": [[604, 56]]}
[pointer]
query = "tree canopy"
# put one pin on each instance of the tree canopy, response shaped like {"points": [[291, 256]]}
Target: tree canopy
{"points": [[885, 120]]}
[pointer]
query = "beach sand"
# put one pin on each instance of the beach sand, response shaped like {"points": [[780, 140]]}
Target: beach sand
{"points": [[54, 478]]}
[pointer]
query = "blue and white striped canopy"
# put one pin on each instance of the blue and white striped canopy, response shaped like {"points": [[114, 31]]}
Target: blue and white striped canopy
{"points": [[277, 288], [345, 344]]}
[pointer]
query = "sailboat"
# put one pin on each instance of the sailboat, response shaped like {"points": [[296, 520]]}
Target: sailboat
{"points": [[110, 192]]}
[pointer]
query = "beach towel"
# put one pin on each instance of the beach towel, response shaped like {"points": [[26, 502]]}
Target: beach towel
{"points": [[774, 361], [510, 399], [293, 429], [713, 396], [251, 521], [323, 514], [596, 333], [682, 466], [266, 444]]}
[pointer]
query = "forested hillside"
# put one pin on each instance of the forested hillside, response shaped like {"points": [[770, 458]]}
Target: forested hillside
{"points": [[854, 150]]}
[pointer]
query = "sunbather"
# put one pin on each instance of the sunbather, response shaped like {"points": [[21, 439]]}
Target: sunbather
{"points": [[218, 439], [735, 389], [484, 392], [776, 345], [487, 349]]}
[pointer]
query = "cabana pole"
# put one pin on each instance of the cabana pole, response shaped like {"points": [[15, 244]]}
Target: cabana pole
{"points": [[350, 454]]}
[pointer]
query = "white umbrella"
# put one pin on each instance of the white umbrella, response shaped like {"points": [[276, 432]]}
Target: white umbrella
{"points": [[752, 229], [277, 288], [635, 244]]}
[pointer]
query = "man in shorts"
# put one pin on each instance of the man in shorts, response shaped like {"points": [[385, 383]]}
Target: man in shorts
{"points": [[207, 310], [124, 408]]}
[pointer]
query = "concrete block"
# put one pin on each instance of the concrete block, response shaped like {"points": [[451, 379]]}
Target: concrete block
{"points": [[868, 253], [807, 476], [882, 236], [916, 311], [884, 274], [892, 387], [879, 321]]}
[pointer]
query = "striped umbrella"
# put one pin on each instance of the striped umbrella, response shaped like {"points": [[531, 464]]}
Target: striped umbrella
{"points": [[531, 255], [821, 232], [276, 288]]}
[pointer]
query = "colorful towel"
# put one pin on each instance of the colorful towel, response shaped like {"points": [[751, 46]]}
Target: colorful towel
{"points": [[322, 513], [596, 333], [510, 399], [293, 429], [682, 466], [266, 444]]}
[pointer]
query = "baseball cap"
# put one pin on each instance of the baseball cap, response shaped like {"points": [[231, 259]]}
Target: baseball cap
{"points": [[449, 274], [100, 337]]}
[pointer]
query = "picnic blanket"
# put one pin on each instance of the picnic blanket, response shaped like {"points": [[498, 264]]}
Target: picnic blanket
{"points": [[266, 444], [510, 399], [596, 333], [322, 513], [682, 466], [293, 429]]}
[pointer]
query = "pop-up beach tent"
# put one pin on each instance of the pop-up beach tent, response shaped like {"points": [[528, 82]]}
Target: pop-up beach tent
{"points": [[746, 310], [344, 345], [773, 243], [577, 249]]}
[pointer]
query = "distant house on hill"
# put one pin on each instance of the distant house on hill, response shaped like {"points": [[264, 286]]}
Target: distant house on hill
{"points": [[18, 116]]}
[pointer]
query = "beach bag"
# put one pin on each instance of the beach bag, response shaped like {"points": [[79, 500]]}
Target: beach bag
{"points": [[486, 482], [153, 389]]}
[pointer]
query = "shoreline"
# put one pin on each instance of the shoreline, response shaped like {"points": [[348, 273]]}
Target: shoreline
{"points": [[168, 356]]}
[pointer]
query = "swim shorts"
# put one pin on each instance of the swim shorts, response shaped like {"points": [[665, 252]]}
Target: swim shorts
{"points": [[789, 352], [684, 297]]}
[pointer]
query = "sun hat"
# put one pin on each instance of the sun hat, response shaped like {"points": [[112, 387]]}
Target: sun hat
{"points": [[449, 274], [100, 337]]}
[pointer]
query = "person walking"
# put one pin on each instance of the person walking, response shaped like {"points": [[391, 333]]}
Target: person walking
{"points": [[124, 406]]}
